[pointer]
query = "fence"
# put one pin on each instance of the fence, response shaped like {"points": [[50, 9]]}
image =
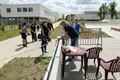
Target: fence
{"points": [[91, 36]]}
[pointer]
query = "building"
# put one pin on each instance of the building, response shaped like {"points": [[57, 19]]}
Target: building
{"points": [[92, 15], [88, 15], [26, 12]]}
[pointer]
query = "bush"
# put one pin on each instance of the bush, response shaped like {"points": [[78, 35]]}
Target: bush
{"points": [[2, 27]]}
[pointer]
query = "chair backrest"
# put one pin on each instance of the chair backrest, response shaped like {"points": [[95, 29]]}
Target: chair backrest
{"points": [[94, 52], [115, 65]]}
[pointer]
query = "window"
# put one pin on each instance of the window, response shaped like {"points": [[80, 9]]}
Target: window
{"points": [[30, 9], [19, 10], [24, 9], [8, 10]]}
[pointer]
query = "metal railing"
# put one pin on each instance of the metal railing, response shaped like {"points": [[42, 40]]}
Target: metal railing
{"points": [[91, 36]]}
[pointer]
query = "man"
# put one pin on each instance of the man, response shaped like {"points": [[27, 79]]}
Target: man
{"points": [[76, 26], [33, 32], [50, 26], [71, 33], [23, 34]]}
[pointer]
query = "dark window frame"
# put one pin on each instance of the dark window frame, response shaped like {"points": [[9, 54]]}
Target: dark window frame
{"points": [[19, 9], [8, 10], [25, 10], [30, 9]]}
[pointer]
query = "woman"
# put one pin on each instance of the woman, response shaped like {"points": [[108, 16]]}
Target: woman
{"points": [[45, 37], [24, 34]]}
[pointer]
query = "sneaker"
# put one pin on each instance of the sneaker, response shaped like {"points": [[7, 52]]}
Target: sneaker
{"points": [[24, 45], [45, 51], [68, 60]]}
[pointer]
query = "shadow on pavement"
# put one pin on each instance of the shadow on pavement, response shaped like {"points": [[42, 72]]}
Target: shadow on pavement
{"points": [[91, 73], [20, 48], [22, 44]]}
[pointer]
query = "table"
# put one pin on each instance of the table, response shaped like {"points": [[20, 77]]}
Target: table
{"points": [[72, 51]]}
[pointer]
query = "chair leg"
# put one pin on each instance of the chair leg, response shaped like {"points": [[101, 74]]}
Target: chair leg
{"points": [[97, 70], [94, 60], [98, 60], [85, 64], [63, 65], [81, 61], [106, 75]]}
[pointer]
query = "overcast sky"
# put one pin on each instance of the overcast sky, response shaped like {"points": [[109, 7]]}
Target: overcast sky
{"points": [[65, 6]]}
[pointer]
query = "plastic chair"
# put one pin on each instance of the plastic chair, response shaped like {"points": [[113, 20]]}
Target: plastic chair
{"points": [[109, 66], [92, 53]]}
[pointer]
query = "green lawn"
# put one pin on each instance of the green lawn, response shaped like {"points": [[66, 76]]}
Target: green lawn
{"points": [[25, 69], [56, 32], [8, 34]]}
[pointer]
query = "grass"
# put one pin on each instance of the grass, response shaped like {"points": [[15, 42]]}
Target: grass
{"points": [[25, 69], [56, 32], [8, 34]]}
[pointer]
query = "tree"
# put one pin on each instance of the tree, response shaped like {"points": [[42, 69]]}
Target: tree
{"points": [[0, 19], [63, 17], [72, 18], [112, 10], [103, 10], [99, 13]]}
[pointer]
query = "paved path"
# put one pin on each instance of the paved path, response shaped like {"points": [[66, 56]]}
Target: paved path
{"points": [[106, 27], [12, 48]]}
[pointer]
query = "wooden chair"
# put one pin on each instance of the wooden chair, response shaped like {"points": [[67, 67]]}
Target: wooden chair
{"points": [[109, 66], [92, 53]]}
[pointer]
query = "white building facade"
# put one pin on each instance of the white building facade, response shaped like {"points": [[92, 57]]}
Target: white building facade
{"points": [[92, 15], [27, 12]]}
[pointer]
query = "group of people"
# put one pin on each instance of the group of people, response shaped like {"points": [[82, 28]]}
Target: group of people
{"points": [[45, 32], [72, 32]]}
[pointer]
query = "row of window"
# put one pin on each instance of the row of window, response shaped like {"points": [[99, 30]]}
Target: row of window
{"points": [[20, 10]]}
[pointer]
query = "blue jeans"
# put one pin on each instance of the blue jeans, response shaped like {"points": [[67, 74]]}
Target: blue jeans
{"points": [[74, 41]]}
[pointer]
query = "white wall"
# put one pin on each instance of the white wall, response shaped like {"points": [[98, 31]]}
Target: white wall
{"points": [[38, 11], [14, 13]]}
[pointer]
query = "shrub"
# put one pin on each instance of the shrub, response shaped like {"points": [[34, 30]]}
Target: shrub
{"points": [[2, 27]]}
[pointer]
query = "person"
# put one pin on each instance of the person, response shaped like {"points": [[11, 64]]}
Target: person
{"points": [[50, 26], [45, 37], [33, 32], [77, 27], [24, 34], [70, 33]]}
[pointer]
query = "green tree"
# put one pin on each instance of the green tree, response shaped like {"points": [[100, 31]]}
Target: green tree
{"points": [[63, 17], [99, 13], [0, 18], [112, 10], [103, 10], [72, 18]]}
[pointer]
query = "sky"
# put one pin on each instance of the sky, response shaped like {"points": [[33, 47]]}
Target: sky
{"points": [[65, 6]]}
